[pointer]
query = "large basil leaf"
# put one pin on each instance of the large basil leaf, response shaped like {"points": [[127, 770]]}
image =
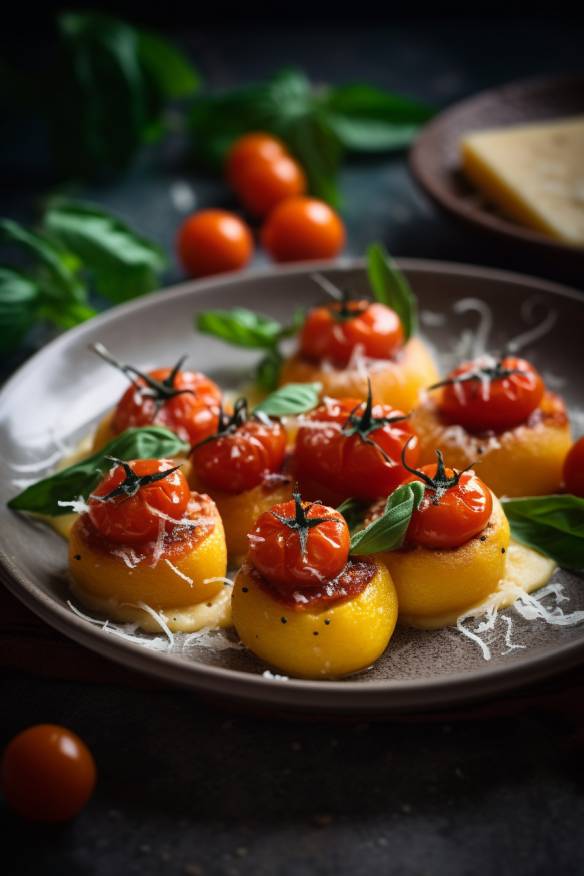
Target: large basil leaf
{"points": [[553, 525], [241, 327], [79, 479], [18, 299], [294, 398], [390, 286], [388, 531]]}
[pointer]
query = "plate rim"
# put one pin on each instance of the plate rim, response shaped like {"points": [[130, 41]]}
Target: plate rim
{"points": [[377, 695], [457, 207]]}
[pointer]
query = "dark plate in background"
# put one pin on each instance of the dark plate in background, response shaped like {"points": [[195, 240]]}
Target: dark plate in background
{"points": [[435, 156]]}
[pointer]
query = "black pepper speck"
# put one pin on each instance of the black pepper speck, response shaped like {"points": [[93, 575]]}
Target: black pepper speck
{"points": [[245, 589], [77, 557], [315, 633], [283, 620], [327, 621], [502, 550]]}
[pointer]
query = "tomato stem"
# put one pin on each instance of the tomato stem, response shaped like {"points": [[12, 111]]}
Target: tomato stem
{"points": [[366, 423], [160, 390], [482, 372], [440, 483], [300, 522], [341, 296], [133, 482]]}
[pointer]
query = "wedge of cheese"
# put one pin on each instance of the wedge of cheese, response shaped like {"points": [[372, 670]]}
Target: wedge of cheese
{"points": [[533, 174]]}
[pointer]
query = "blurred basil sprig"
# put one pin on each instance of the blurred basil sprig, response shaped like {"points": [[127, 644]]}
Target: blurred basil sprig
{"points": [[78, 248], [318, 124], [112, 83]]}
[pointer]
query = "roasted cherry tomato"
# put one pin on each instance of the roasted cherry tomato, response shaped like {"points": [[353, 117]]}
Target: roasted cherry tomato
{"points": [[243, 450], [299, 544], [249, 148], [263, 182], [186, 402], [455, 507], [574, 469], [47, 773], [300, 229], [354, 448], [214, 241], [334, 332], [491, 395], [137, 500]]}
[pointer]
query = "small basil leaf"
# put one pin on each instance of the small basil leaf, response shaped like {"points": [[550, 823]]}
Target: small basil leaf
{"points": [[387, 533], [553, 525], [294, 398], [241, 327], [122, 264], [370, 135], [268, 370], [79, 479], [18, 299], [390, 287]]}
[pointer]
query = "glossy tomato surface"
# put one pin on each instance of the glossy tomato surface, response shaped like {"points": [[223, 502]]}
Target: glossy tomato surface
{"points": [[484, 395], [139, 509], [263, 183], [335, 332], [365, 464], [192, 413], [47, 773], [574, 469], [299, 544], [214, 242], [301, 229], [257, 145], [239, 459]]}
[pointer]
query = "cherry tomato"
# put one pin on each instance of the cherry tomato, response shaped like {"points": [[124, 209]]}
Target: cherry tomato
{"points": [[574, 469], [301, 229], [353, 449], [335, 331], [192, 412], [499, 396], [249, 148], [47, 773], [137, 512], [449, 517], [262, 183], [214, 241], [299, 544], [237, 460]]}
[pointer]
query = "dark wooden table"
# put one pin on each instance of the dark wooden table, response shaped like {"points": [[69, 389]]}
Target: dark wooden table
{"points": [[192, 788]]}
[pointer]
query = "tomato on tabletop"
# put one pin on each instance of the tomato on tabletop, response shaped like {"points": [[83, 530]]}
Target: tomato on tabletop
{"points": [[47, 773], [213, 242], [455, 507], [263, 183], [489, 394], [249, 148], [243, 449], [354, 448], [574, 469], [299, 544], [334, 331], [303, 228], [138, 499]]}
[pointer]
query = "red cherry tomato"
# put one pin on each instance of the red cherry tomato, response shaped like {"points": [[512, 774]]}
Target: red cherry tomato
{"points": [[500, 396], [249, 148], [192, 413], [354, 451], [335, 331], [139, 514], [47, 773], [238, 460], [299, 544], [450, 518], [214, 241], [574, 469], [263, 183], [300, 229]]}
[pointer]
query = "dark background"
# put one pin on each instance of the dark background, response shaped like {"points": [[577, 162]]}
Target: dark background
{"points": [[186, 788]]}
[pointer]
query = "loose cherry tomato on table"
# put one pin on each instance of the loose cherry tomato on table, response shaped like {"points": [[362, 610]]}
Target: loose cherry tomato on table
{"points": [[47, 773], [333, 332], [249, 148], [455, 507], [214, 241], [354, 448], [301, 229], [241, 452], [574, 469], [138, 499], [491, 395], [263, 183], [299, 544]]}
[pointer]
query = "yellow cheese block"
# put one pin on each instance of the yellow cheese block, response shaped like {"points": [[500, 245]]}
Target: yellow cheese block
{"points": [[533, 173]]}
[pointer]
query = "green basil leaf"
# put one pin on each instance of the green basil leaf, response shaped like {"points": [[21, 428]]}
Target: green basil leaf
{"points": [[294, 398], [82, 477], [390, 287], [315, 144], [553, 525], [268, 370], [370, 135], [171, 72], [122, 264], [18, 299], [241, 327], [387, 533]]}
